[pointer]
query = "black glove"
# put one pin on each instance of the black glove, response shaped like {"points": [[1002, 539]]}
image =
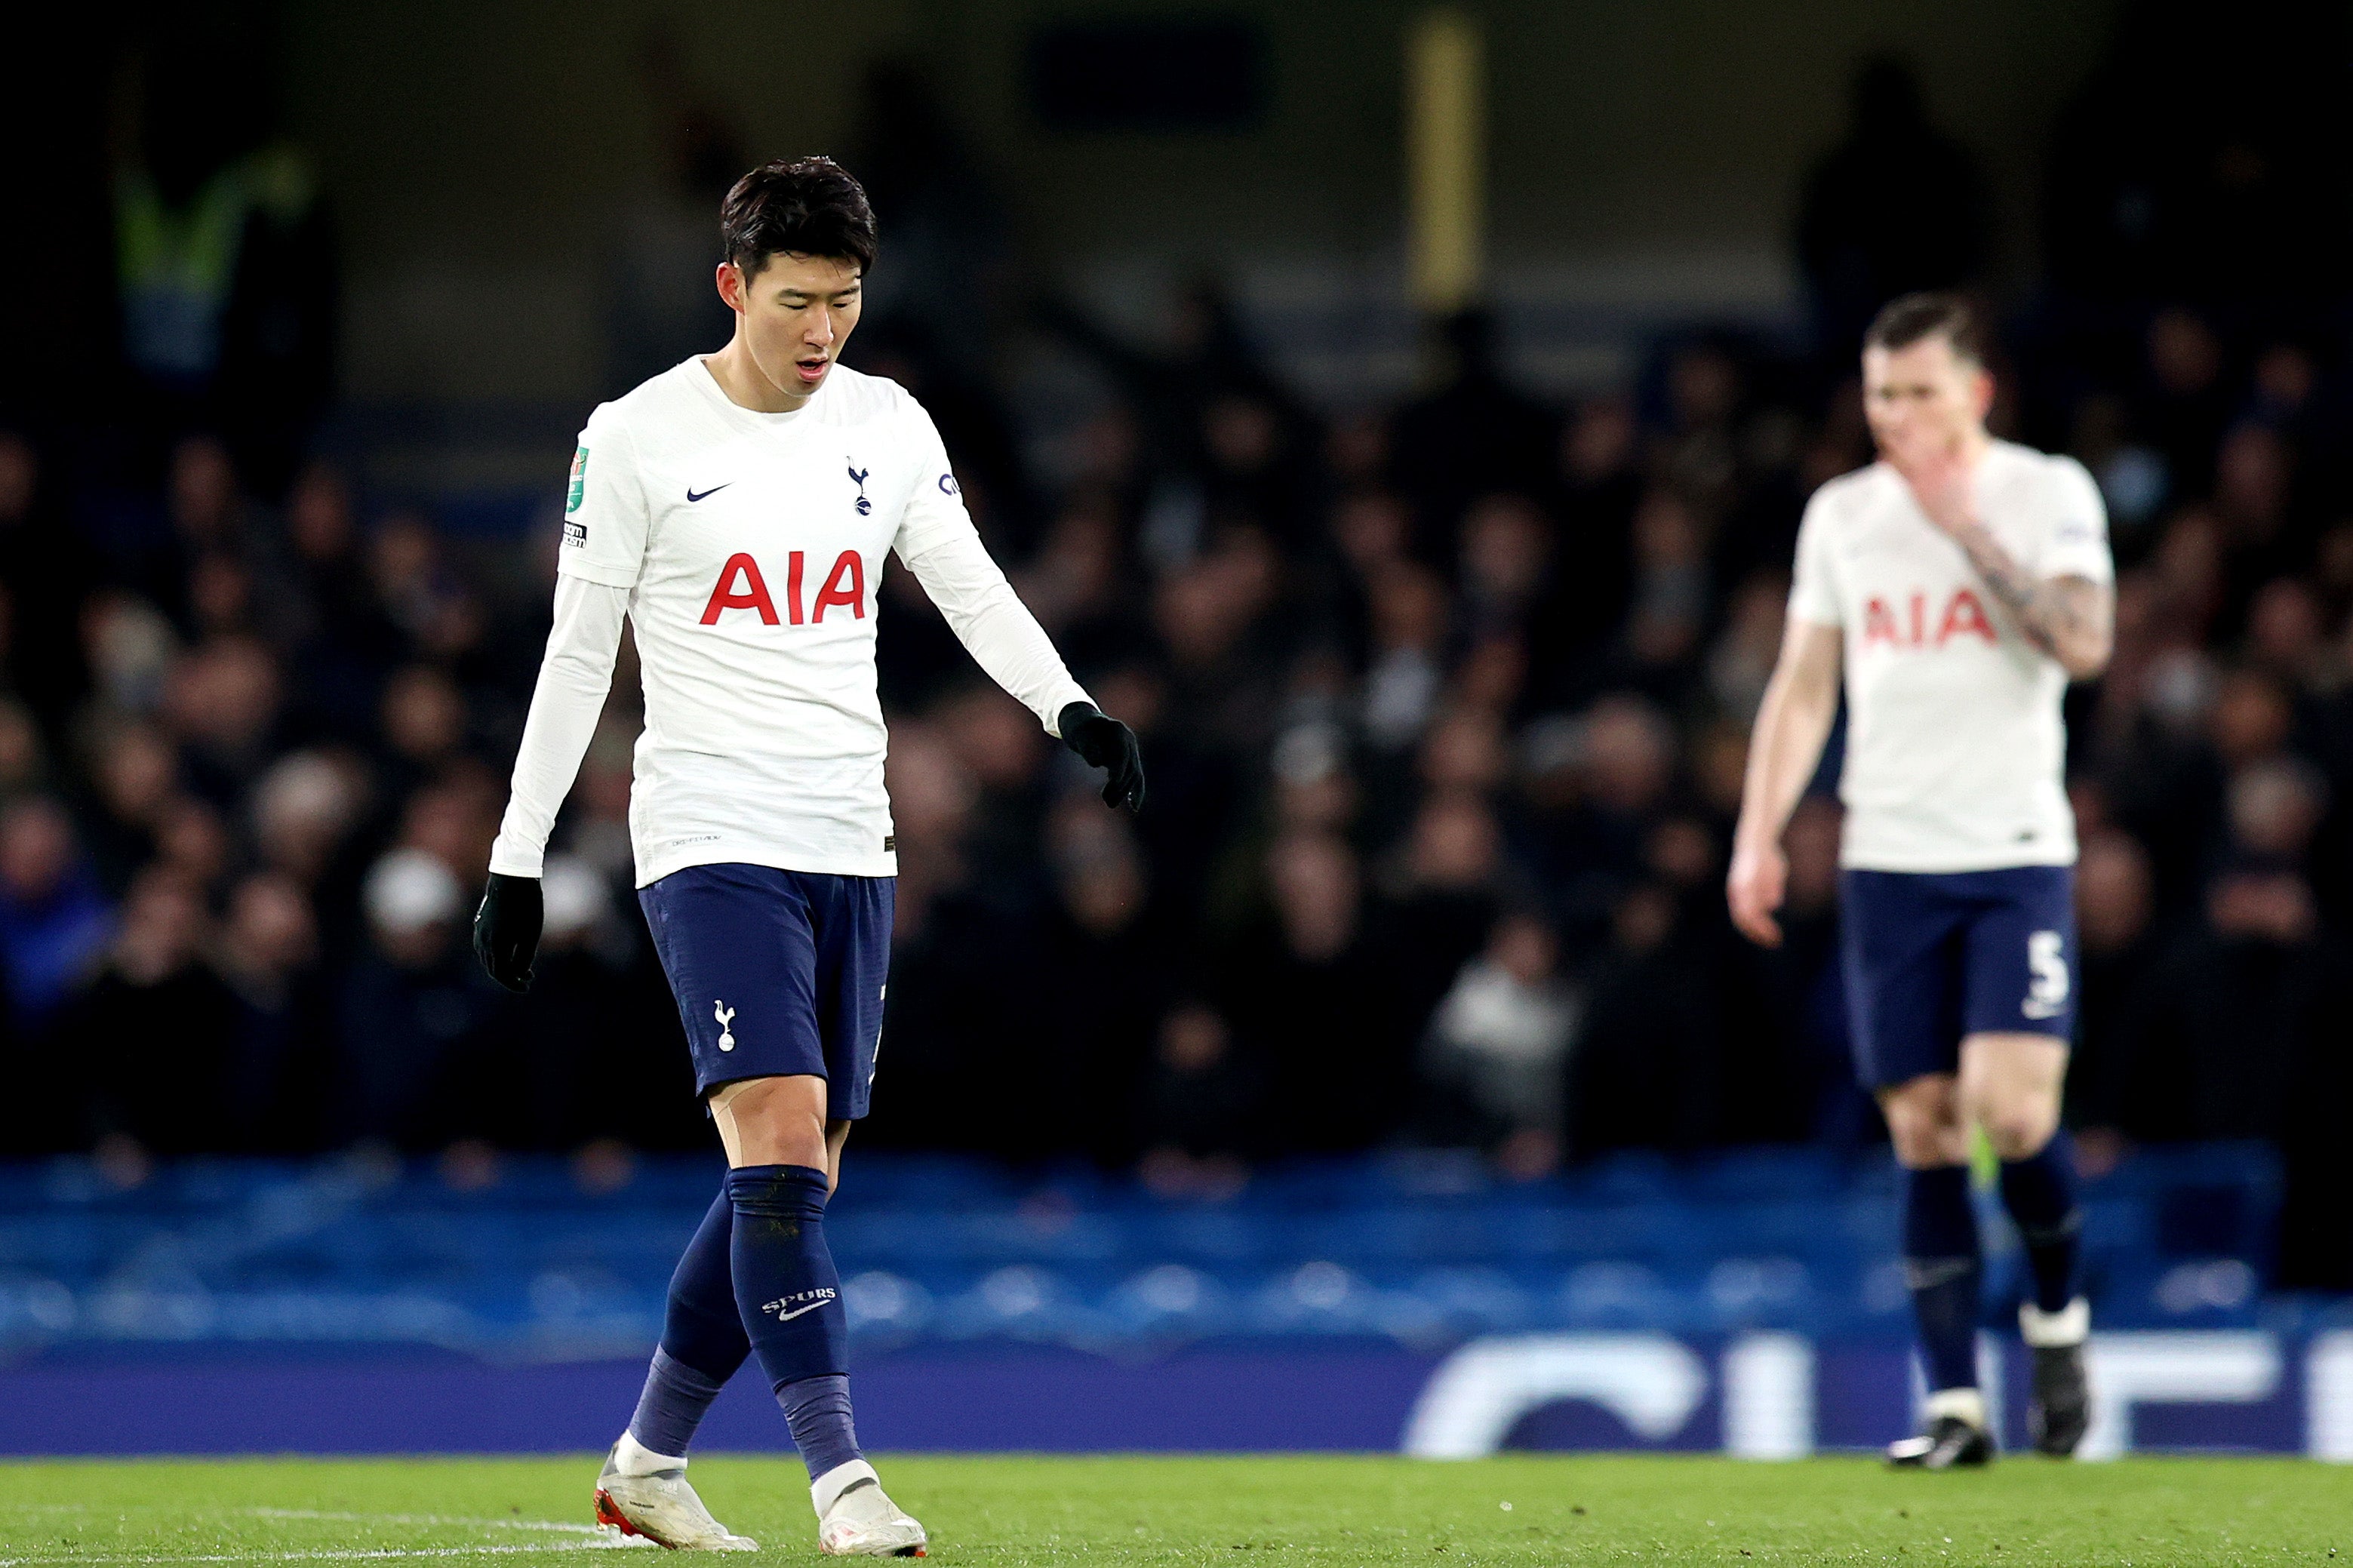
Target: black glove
{"points": [[506, 930], [1106, 743]]}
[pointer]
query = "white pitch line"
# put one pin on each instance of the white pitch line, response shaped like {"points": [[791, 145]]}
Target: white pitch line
{"points": [[599, 1539], [378, 1554], [423, 1518]]}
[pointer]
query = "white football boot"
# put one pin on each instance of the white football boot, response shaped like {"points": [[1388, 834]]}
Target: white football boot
{"points": [[854, 1519], [660, 1507]]}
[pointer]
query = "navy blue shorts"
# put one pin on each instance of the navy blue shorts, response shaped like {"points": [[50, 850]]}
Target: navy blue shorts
{"points": [[776, 973], [1933, 957]]}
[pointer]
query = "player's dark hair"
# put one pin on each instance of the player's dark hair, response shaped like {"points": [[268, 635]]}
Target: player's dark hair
{"points": [[1901, 322], [803, 206]]}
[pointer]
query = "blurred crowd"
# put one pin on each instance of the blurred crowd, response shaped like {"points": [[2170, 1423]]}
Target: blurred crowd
{"points": [[1445, 707]]}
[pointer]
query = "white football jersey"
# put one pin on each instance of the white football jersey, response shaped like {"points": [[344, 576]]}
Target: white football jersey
{"points": [[1956, 750], [752, 546]]}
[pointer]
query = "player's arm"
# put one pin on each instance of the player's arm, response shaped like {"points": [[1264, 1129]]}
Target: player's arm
{"points": [[2068, 615], [605, 525], [939, 544], [2071, 618], [574, 678], [1792, 722]]}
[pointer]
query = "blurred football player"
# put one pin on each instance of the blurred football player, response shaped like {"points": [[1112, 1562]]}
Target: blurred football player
{"points": [[736, 509], [1960, 583]]}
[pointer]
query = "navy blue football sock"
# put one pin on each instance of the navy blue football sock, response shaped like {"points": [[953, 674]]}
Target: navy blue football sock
{"points": [[703, 1328], [703, 1339], [785, 1287], [1942, 1265], [676, 1396], [818, 1410], [2040, 1192]]}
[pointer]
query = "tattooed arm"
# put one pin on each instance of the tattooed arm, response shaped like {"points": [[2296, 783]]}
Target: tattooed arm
{"points": [[2072, 619]]}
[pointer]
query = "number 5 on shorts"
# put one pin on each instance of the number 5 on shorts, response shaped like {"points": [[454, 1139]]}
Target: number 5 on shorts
{"points": [[2046, 964]]}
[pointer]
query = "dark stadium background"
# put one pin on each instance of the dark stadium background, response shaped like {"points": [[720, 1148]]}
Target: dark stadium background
{"points": [[1442, 610]]}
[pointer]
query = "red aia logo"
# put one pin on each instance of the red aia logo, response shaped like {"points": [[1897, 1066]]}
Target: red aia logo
{"points": [[1963, 616], [845, 584]]}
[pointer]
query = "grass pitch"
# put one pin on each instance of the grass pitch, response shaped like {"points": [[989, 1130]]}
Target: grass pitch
{"points": [[1021, 1510]]}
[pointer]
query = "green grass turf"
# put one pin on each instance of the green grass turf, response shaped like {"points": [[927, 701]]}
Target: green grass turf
{"points": [[1019, 1510]]}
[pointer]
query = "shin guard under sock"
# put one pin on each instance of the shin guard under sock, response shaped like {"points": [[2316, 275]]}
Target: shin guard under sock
{"points": [[2040, 1192], [785, 1287], [702, 1340], [1942, 1266]]}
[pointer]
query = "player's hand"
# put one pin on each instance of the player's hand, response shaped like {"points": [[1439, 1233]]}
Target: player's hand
{"points": [[1754, 887], [1106, 743], [506, 930], [1943, 480]]}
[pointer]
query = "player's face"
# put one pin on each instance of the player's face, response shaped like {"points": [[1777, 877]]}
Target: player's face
{"points": [[1923, 397], [796, 314]]}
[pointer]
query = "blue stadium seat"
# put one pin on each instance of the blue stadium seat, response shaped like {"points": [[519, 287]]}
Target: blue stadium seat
{"points": [[1421, 1249]]}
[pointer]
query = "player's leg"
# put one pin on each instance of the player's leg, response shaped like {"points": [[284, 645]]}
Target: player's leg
{"points": [[703, 1343], [785, 1137], [786, 1288], [643, 1490], [2010, 1087], [736, 947], [1943, 1266], [852, 924], [783, 1152], [2013, 1070], [1898, 933]]}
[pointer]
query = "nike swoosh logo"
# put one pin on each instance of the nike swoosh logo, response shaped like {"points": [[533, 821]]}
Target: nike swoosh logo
{"points": [[796, 1311], [691, 498]]}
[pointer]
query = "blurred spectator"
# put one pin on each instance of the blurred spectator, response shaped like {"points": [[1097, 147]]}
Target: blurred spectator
{"points": [[1473, 434], [663, 305], [1648, 1072], [1310, 997], [2117, 970], [417, 1017], [1814, 1093], [425, 725], [1201, 1110], [1507, 548], [54, 921], [1409, 624], [1108, 958], [130, 648], [22, 764], [153, 1035], [193, 843], [1742, 659], [1443, 886], [2248, 996], [2183, 403], [266, 952], [1669, 587], [221, 701], [1895, 206], [582, 1033], [224, 260], [136, 775], [1496, 1051]]}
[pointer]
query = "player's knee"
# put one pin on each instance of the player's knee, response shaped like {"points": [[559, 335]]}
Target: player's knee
{"points": [[787, 1123], [778, 1122], [2017, 1128], [1924, 1126], [1923, 1145]]}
